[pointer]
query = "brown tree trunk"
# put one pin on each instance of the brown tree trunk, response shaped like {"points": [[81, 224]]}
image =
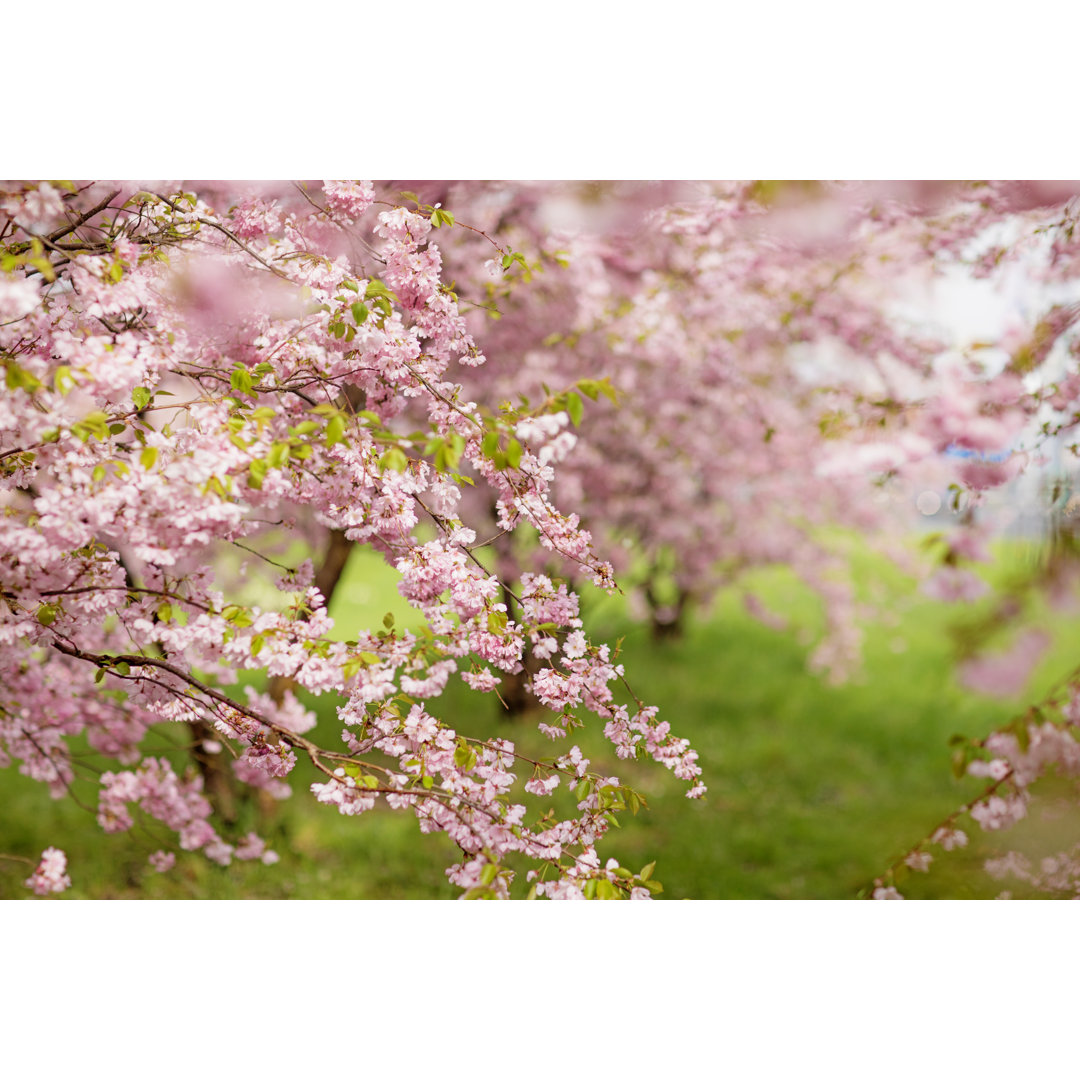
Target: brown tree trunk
{"points": [[667, 622], [327, 577], [515, 697], [218, 784]]}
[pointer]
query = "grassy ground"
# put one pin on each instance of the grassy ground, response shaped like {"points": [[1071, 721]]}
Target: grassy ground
{"points": [[813, 788]]}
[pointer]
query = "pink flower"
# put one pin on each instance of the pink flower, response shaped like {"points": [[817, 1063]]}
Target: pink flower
{"points": [[18, 297], [348, 199], [50, 875], [254, 847], [950, 838], [162, 861], [38, 209], [537, 786], [481, 680], [920, 861]]}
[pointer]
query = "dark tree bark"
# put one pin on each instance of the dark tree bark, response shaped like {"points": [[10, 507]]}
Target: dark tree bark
{"points": [[514, 696], [667, 622], [327, 576]]}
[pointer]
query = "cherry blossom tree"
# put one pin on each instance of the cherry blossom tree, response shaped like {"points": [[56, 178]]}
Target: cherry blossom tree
{"points": [[710, 379], [729, 336], [187, 370]]}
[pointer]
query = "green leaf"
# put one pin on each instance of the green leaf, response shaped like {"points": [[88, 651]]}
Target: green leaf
{"points": [[148, 457], [141, 396], [215, 485], [359, 313], [335, 430], [236, 615], [513, 454], [257, 643], [47, 613], [257, 471], [377, 290], [93, 425], [63, 380], [575, 407], [489, 873], [241, 380], [608, 390], [395, 459], [647, 871], [278, 456], [464, 756]]}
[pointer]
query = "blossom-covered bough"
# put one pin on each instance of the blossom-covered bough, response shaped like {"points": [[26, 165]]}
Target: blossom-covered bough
{"points": [[187, 370]]}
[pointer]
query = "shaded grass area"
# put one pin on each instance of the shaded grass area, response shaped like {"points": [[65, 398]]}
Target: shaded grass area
{"points": [[813, 788]]}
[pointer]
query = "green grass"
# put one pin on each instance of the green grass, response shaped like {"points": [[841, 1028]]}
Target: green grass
{"points": [[813, 788]]}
